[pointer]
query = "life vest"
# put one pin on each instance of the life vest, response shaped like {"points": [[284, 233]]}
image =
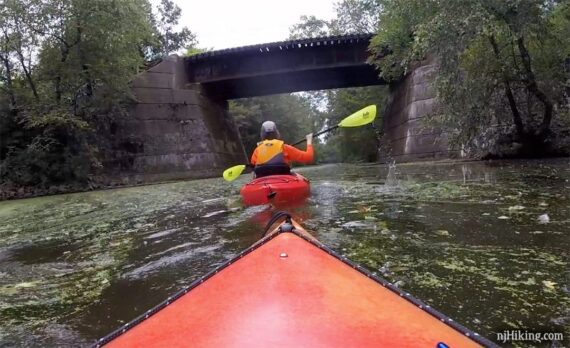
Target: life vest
{"points": [[270, 153]]}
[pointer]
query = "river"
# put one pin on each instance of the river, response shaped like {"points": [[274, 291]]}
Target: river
{"points": [[486, 243]]}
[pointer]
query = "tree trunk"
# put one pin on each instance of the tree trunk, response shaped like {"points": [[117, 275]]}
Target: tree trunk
{"points": [[508, 91], [9, 87], [84, 66], [27, 73], [19, 52], [64, 54], [532, 86], [88, 80]]}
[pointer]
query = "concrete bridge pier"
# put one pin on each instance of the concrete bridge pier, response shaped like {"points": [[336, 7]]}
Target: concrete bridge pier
{"points": [[175, 131], [406, 138]]}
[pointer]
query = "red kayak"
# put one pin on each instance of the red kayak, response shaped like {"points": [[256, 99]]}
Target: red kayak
{"points": [[289, 290], [276, 189]]}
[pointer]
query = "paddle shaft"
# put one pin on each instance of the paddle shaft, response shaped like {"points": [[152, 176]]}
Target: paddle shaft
{"points": [[316, 135]]}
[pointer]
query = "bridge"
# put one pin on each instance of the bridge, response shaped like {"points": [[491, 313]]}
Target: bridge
{"points": [[285, 67], [181, 128]]}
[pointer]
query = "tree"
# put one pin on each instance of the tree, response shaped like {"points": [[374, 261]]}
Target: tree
{"points": [[312, 27], [359, 144], [192, 50], [65, 68], [292, 113], [358, 16], [493, 60], [352, 16], [169, 40]]}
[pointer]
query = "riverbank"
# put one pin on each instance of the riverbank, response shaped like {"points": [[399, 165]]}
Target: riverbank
{"points": [[13, 192], [8, 192]]}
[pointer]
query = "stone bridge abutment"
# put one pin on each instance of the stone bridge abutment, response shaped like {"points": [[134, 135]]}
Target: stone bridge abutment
{"points": [[176, 130]]}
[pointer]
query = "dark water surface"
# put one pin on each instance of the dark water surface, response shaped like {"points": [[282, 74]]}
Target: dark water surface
{"points": [[464, 237]]}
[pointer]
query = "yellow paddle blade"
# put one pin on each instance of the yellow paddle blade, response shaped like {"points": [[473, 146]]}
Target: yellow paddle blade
{"points": [[234, 172], [360, 118]]}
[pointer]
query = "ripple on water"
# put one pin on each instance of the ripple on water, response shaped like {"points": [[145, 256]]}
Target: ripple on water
{"points": [[163, 233], [167, 261]]}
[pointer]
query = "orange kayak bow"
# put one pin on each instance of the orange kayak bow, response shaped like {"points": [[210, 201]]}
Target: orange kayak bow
{"points": [[289, 290]]}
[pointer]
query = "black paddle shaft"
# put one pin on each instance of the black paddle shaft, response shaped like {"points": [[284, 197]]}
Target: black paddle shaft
{"points": [[316, 135]]}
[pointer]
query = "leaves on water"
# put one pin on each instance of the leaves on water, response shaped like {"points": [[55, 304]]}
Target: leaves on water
{"points": [[549, 284], [543, 219], [516, 208], [26, 285], [444, 233]]}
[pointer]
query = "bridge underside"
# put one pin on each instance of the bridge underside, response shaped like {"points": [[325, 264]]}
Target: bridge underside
{"points": [[297, 81], [284, 68]]}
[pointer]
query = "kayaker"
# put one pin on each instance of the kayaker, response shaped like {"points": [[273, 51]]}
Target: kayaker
{"points": [[272, 156]]}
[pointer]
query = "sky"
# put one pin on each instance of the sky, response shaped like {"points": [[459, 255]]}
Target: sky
{"points": [[222, 24]]}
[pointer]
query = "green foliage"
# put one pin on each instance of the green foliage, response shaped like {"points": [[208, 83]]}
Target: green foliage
{"points": [[358, 16], [192, 50], [348, 145], [551, 51], [169, 40], [311, 27], [393, 48], [296, 116], [65, 69], [352, 16], [359, 144], [292, 114], [501, 63]]}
